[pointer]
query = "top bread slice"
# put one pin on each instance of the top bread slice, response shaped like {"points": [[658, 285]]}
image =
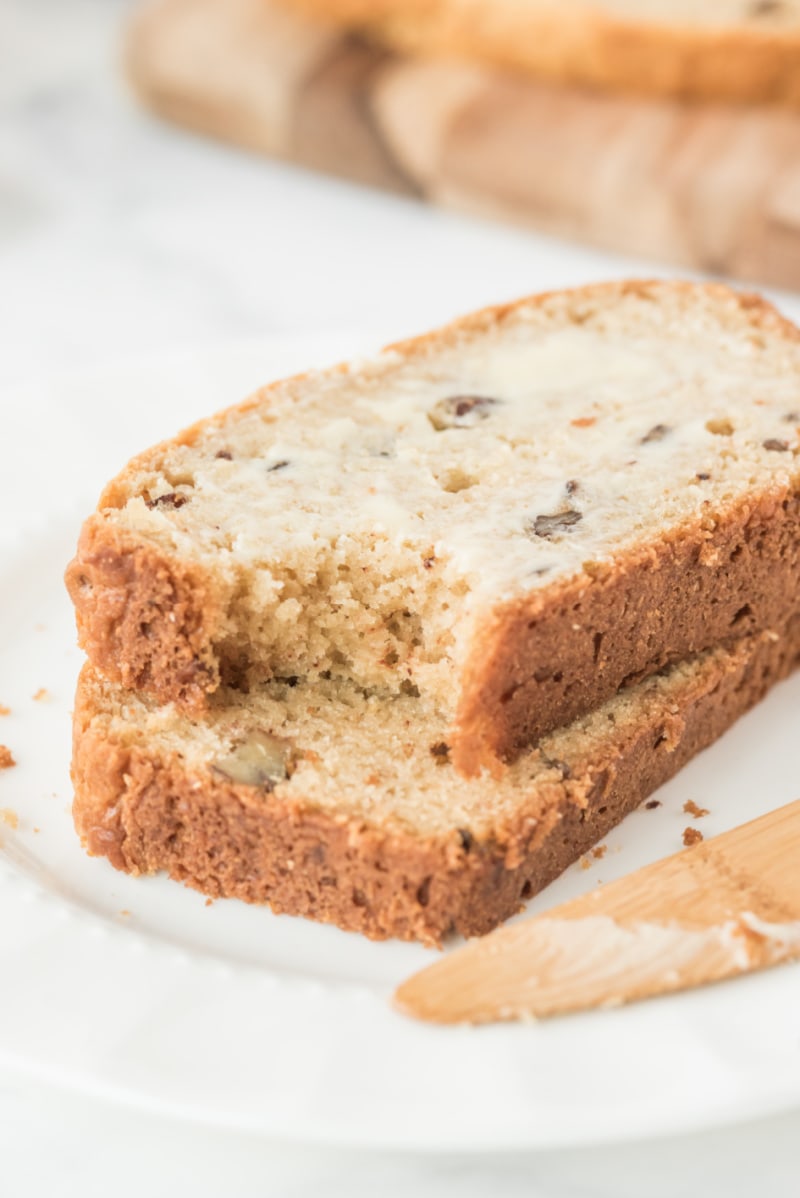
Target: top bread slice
{"points": [[513, 516], [741, 50]]}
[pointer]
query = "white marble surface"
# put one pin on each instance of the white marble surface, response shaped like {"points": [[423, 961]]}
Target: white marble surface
{"points": [[120, 237]]}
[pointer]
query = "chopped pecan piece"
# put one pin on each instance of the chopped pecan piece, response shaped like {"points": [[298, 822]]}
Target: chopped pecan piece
{"points": [[549, 526], [260, 759], [461, 411]]}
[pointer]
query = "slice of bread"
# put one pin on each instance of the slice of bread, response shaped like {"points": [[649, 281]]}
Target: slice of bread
{"points": [[513, 516], [726, 50], [344, 807]]}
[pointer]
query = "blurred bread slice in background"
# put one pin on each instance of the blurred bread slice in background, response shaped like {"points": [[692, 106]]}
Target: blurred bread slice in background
{"points": [[692, 49], [708, 186]]}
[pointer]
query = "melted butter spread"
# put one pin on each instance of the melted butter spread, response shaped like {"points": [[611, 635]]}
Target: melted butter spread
{"points": [[570, 428]]}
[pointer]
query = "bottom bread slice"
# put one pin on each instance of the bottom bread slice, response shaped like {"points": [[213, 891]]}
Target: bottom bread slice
{"points": [[343, 806]]}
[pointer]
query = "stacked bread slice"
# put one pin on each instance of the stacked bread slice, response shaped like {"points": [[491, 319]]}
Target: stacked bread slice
{"points": [[391, 644]]}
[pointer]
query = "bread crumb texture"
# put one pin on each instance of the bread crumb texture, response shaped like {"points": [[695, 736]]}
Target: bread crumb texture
{"points": [[6, 758]]}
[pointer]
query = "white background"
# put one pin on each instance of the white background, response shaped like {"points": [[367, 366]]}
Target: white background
{"points": [[121, 238]]}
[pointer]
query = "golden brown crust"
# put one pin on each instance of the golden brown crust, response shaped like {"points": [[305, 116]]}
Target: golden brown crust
{"points": [[747, 61], [145, 620], [556, 653], [146, 812], [747, 309]]}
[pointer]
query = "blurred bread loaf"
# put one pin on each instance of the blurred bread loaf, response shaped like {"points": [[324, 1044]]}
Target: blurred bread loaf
{"points": [[733, 50]]}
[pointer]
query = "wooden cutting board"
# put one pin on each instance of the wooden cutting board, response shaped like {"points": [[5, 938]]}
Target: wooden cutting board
{"points": [[711, 187]]}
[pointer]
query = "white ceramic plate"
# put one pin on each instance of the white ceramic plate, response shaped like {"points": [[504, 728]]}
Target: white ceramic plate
{"points": [[226, 1014]]}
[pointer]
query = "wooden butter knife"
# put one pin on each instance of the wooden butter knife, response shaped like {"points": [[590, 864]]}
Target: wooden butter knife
{"points": [[718, 909]]}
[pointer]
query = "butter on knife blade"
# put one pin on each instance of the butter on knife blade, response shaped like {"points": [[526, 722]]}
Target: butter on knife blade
{"points": [[719, 909]]}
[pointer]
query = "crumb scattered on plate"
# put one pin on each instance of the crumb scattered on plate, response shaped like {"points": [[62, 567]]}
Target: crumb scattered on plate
{"points": [[586, 862], [653, 803], [4, 710], [41, 695], [6, 758], [692, 836], [691, 808], [9, 817], [599, 851]]}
